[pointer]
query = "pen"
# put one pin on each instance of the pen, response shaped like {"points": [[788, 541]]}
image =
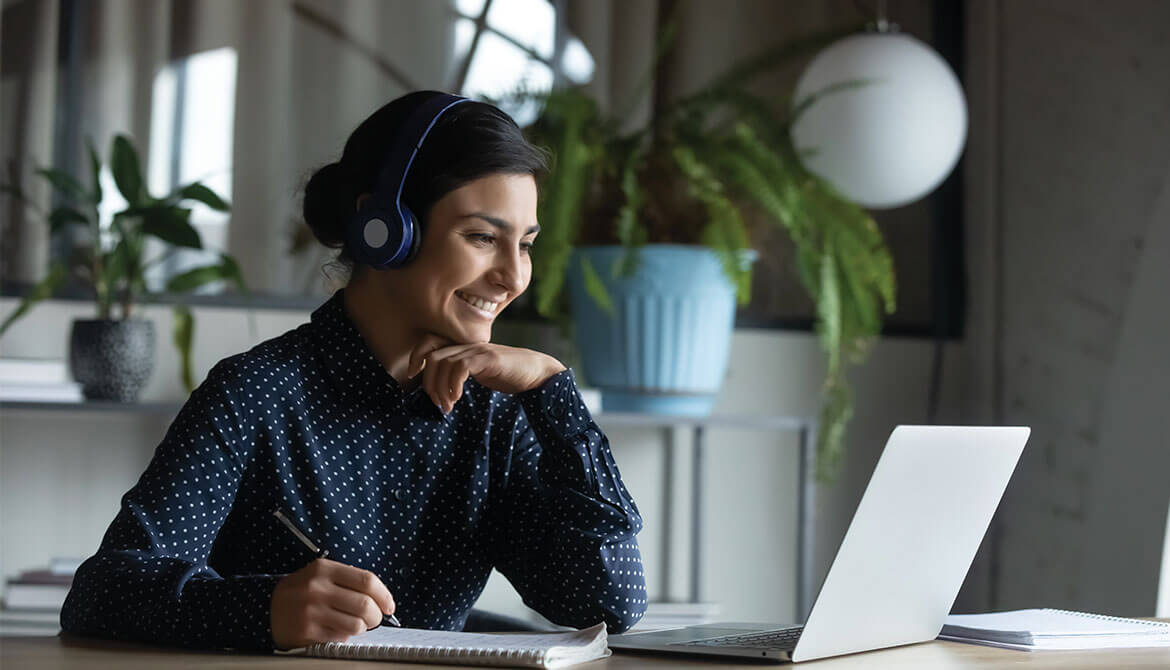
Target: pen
{"points": [[387, 619]]}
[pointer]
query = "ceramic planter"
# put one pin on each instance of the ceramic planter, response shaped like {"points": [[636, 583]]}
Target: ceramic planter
{"points": [[665, 348], [112, 360]]}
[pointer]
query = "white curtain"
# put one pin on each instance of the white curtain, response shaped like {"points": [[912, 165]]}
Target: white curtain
{"points": [[308, 71], [28, 81]]}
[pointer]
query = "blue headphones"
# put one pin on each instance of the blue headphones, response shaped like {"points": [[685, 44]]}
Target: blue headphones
{"points": [[385, 233]]}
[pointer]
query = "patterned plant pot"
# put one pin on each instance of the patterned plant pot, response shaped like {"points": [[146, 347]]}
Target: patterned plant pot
{"points": [[664, 349], [112, 360]]}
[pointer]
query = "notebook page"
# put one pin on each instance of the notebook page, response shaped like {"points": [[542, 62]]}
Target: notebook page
{"points": [[385, 636], [1049, 622]]}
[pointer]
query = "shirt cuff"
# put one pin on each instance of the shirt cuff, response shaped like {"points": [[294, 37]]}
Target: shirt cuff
{"points": [[556, 406], [234, 612]]}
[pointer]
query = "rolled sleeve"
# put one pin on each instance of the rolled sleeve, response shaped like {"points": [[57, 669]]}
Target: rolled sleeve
{"points": [[568, 529]]}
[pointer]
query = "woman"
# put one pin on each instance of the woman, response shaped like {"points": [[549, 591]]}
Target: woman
{"points": [[389, 429]]}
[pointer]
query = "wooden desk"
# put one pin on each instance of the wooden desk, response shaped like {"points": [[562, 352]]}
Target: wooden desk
{"points": [[52, 653]]}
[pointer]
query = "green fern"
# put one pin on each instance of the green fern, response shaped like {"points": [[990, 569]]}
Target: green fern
{"points": [[725, 149]]}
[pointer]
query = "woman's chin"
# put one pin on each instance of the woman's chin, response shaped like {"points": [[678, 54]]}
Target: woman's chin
{"points": [[470, 335]]}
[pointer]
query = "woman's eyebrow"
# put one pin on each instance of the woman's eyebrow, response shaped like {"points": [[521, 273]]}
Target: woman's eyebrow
{"points": [[500, 223]]}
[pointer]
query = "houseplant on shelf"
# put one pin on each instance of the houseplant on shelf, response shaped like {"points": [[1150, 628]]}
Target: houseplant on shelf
{"points": [[686, 188], [112, 355]]}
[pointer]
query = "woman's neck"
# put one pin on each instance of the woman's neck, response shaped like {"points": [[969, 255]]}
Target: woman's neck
{"points": [[385, 332]]}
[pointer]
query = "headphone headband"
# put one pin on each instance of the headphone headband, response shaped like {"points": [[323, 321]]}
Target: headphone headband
{"points": [[385, 233]]}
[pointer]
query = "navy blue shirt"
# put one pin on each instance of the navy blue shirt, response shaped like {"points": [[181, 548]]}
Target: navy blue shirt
{"points": [[311, 422]]}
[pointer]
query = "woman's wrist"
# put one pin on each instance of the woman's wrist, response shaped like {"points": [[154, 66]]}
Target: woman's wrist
{"points": [[553, 368]]}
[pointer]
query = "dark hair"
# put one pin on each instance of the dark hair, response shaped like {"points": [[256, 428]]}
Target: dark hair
{"points": [[471, 140]]}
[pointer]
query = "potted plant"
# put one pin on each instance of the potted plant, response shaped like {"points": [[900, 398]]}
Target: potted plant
{"points": [[112, 355], [638, 225]]}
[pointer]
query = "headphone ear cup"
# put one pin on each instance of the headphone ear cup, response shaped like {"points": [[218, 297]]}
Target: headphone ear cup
{"points": [[375, 236], [412, 229]]}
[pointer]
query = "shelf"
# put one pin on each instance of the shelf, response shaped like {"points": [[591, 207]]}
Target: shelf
{"points": [[747, 422], [805, 427], [101, 406]]}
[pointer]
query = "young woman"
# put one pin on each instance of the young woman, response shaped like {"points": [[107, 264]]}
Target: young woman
{"points": [[389, 428]]}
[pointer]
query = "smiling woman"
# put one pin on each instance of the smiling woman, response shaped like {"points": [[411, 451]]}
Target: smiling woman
{"points": [[390, 428]]}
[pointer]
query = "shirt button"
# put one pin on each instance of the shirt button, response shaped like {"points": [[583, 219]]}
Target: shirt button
{"points": [[401, 571], [401, 494]]}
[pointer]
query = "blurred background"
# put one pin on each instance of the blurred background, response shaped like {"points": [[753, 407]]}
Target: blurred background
{"points": [[1032, 274]]}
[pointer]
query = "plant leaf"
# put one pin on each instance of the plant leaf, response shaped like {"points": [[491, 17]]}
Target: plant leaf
{"points": [[203, 194], [66, 183], [595, 287], [169, 224], [231, 272], [95, 166], [196, 277], [119, 262], [17, 194], [127, 171], [184, 334], [836, 412], [63, 216], [829, 311], [41, 290]]}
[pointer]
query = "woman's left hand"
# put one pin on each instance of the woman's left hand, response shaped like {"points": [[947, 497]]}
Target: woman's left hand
{"points": [[506, 369]]}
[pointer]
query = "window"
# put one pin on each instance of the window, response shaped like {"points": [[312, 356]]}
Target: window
{"points": [[505, 45], [191, 137]]}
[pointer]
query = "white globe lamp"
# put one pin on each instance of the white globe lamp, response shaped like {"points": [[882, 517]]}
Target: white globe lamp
{"points": [[890, 123]]}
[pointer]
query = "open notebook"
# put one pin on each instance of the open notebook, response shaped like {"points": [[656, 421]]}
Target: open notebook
{"points": [[528, 650], [1054, 629]]}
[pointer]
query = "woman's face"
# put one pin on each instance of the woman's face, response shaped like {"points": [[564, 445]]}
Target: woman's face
{"points": [[474, 259]]}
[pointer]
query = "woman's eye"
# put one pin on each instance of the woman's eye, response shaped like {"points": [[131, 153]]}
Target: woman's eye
{"points": [[526, 246], [481, 238]]}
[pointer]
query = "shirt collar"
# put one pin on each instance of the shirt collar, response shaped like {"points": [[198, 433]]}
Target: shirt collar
{"points": [[351, 365]]}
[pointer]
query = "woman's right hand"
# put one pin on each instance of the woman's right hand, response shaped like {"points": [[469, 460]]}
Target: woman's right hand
{"points": [[327, 601]]}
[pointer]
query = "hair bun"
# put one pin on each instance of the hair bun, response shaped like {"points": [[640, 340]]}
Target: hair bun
{"points": [[329, 204]]}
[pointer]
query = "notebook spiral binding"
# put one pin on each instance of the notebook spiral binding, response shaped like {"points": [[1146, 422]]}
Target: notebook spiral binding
{"points": [[1116, 619], [482, 656]]}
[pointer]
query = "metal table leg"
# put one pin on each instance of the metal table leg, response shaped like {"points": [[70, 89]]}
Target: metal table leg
{"points": [[697, 515], [667, 511], [804, 528]]}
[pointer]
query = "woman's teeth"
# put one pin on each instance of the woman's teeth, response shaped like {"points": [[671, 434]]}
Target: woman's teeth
{"points": [[486, 306]]}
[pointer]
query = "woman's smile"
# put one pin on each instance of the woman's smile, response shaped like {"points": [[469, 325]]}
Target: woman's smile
{"points": [[478, 306]]}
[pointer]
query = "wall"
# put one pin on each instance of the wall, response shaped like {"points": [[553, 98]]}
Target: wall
{"points": [[1067, 170], [62, 474], [1069, 177]]}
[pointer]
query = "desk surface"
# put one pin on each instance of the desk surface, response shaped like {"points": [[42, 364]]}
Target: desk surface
{"points": [[51, 653]]}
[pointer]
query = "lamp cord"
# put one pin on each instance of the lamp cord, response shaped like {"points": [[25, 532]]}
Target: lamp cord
{"points": [[878, 17]]}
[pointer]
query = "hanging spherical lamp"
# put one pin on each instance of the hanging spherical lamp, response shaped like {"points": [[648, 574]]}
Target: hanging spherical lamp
{"points": [[889, 124]]}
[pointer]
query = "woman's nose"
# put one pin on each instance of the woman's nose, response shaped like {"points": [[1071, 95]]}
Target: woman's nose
{"points": [[508, 272]]}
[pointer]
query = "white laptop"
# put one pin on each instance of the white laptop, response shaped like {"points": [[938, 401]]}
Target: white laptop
{"points": [[902, 561]]}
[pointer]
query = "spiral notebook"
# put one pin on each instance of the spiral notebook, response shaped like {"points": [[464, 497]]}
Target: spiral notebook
{"points": [[528, 650], [1036, 629]]}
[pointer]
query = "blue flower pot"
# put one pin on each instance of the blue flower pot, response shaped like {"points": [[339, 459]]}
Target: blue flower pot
{"points": [[664, 349]]}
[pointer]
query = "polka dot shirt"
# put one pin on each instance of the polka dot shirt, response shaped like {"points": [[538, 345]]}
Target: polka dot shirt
{"points": [[311, 423]]}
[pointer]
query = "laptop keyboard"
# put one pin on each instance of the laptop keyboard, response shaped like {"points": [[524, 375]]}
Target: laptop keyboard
{"points": [[780, 640]]}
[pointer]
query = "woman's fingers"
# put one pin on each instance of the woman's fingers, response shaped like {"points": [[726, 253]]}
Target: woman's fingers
{"points": [[423, 350], [336, 621], [430, 381], [456, 374], [441, 385], [326, 601], [444, 374], [356, 605], [365, 584]]}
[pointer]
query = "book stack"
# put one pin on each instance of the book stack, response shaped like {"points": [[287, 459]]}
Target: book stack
{"points": [[37, 380], [33, 599]]}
